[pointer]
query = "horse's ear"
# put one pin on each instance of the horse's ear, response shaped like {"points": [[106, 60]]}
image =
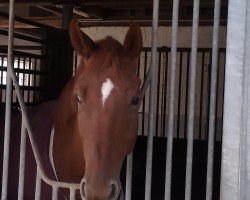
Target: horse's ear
{"points": [[133, 40], [82, 43]]}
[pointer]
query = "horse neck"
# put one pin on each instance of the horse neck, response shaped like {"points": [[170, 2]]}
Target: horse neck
{"points": [[67, 141], [66, 110]]}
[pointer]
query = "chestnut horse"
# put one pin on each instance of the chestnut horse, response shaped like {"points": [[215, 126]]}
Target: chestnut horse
{"points": [[95, 121], [96, 117]]}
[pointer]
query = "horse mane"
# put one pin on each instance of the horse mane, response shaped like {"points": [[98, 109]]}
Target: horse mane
{"points": [[109, 50], [110, 44]]}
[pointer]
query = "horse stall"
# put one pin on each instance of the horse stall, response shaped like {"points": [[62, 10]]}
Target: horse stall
{"points": [[193, 130]]}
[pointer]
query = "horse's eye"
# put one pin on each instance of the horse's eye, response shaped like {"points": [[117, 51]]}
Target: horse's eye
{"points": [[78, 99], [135, 101]]}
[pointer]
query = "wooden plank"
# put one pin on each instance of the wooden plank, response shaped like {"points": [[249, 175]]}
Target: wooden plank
{"points": [[107, 2], [56, 23], [51, 9], [146, 23]]}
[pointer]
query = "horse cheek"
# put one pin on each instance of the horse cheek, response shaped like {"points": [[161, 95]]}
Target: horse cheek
{"points": [[132, 132]]}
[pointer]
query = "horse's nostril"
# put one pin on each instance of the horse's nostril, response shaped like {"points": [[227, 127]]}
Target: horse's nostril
{"points": [[115, 189], [83, 189]]}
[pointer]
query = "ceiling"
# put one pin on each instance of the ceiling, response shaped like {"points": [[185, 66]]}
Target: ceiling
{"points": [[108, 12]]}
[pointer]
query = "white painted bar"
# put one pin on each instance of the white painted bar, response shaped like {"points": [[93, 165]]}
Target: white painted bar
{"points": [[38, 185], [129, 172], [235, 169], [22, 162], [31, 137], [72, 194], [212, 108], [191, 101], [171, 89], [152, 106], [245, 169], [54, 192], [8, 103]]}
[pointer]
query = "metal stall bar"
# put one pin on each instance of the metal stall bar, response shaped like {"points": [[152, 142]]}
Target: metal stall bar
{"points": [[171, 86], [72, 194], [152, 96], [22, 162], [179, 95], [208, 92], [191, 102], [212, 111], [54, 192], [8, 103], [11, 75], [245, 163], [32, 141], [235, 170], [129, 172], [201, 93], [144, 99], [129, 168], [38, 185], [186, 95], [157, 134]]}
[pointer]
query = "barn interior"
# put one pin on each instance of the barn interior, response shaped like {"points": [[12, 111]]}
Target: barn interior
{"points": [[45, 61]]}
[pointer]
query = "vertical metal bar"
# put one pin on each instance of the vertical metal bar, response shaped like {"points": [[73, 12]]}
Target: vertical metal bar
{"points": [[1, 80], [38, 185], [191, 99], [29, 80], [223, 93], [216, 132], [23, 81], [24, 61], [8, 103], [201, 92], [179, 96], [138, 73], [54, 192], [208, 91], [18, 66], [186, 97], [152, 109], [35, 68], [144, 99], [210, 156], [165, 93], [245, 158], [170, 128], [236, 124], [129, 172], [35, 98], [72, 194], [22, 162], [26, 120], [158, 94]]}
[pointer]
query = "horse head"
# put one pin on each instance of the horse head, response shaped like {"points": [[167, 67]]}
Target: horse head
{"points": [[105, 97]]}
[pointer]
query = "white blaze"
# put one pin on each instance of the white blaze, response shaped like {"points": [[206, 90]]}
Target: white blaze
{"points": [[107, 87]]}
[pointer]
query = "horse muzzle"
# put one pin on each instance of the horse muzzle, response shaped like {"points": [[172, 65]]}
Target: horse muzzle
{"points": [[90, 191]]}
